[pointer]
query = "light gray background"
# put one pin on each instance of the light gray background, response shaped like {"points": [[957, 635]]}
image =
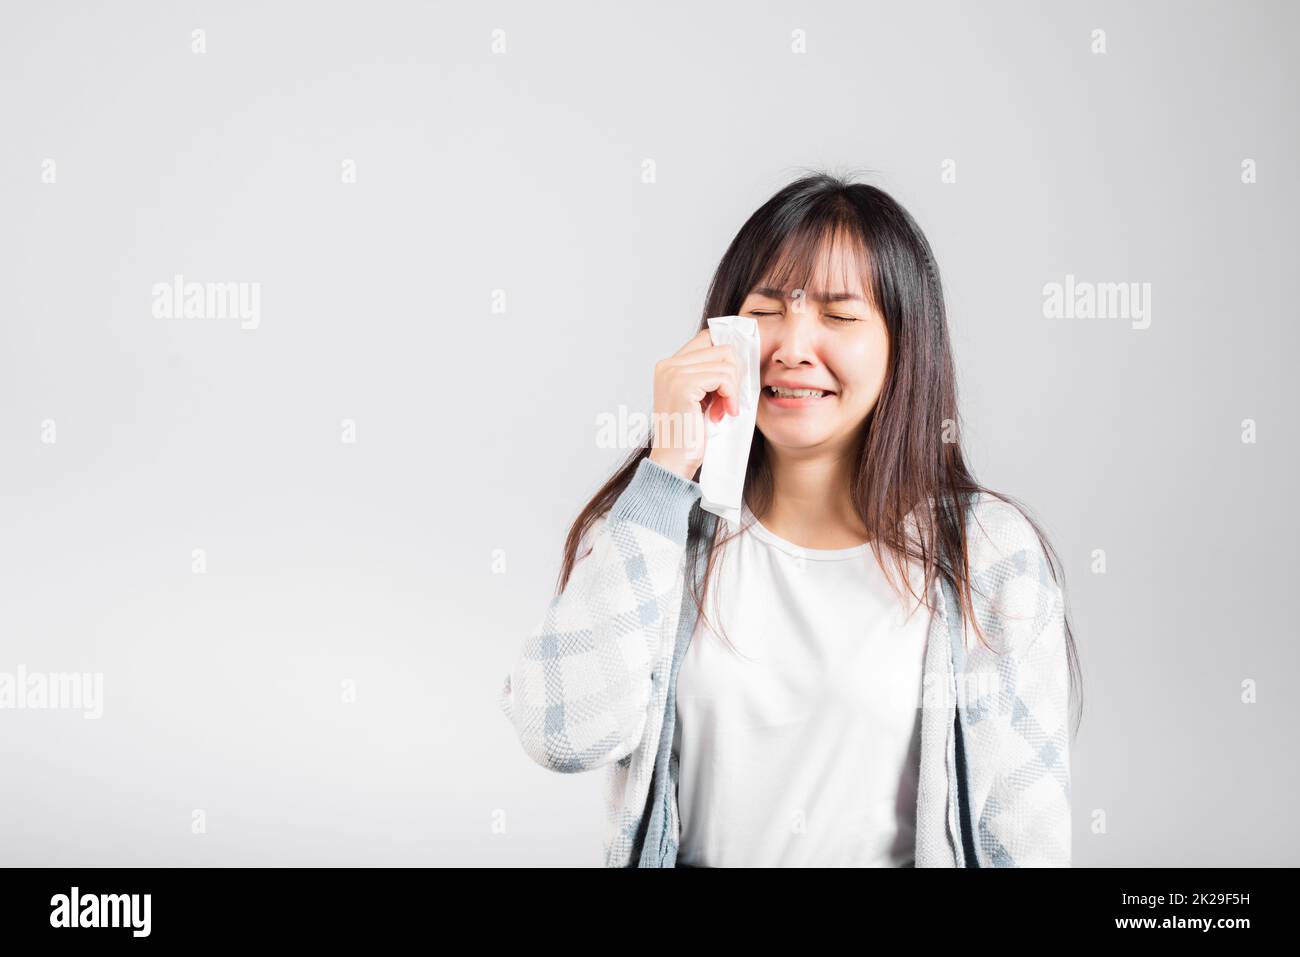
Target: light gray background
{"points": [[476, 431]]}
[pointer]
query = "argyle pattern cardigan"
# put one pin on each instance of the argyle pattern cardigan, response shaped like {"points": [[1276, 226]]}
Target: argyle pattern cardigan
{"points": [[594, 687]]}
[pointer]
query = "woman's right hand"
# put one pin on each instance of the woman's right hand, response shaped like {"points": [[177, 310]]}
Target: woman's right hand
{"points": [[699, 379]]}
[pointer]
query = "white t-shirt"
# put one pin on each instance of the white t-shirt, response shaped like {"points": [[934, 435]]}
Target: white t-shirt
{"points": [[806, 755]]}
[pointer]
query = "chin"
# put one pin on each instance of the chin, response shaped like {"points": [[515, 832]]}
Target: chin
{"points": [[794, 439]]}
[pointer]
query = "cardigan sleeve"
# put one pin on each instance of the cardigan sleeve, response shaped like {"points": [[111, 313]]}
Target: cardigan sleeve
{"points": [[579, 691], [1017, 695]]}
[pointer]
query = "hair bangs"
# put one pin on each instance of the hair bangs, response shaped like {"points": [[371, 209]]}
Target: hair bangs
{"points": [[803, 262]]}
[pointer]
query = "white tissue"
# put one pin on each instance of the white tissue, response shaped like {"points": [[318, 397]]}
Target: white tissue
{"points": [[726, 450]]}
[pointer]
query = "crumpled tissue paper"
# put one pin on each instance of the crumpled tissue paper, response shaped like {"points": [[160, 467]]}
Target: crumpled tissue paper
{"points": [[727, 443]]}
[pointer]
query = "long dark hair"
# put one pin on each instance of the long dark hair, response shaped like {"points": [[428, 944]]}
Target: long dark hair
{"points": [[910, 445]]}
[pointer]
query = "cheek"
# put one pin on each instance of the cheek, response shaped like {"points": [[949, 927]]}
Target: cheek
{"points": [[860, 366]]}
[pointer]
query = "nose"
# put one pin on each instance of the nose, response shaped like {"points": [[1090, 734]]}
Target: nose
{"points": [[796, 337]]}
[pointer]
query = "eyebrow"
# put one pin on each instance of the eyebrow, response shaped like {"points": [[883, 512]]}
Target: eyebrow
{"points": [[771, 293]]}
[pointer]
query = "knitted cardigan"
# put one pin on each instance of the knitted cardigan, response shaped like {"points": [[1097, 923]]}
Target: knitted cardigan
{"points": [[592, 687]]}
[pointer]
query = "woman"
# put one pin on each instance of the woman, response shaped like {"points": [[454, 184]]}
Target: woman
{"points": [[828, 706]]}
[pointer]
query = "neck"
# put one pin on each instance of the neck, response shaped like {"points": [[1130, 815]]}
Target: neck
{"points": [[811, 505]]}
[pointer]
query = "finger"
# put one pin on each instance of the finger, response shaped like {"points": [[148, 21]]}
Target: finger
{"points": [[719, 406], [701, 340], [720, 385], [731, 393], [711, 407], [722, 353], [711, 377]]}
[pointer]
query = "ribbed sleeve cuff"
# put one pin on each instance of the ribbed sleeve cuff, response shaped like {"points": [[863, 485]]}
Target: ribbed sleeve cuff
{"points": [[659, 499]]}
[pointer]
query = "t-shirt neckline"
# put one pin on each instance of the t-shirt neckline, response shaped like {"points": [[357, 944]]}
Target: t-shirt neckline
{"points": [[750, 523]]}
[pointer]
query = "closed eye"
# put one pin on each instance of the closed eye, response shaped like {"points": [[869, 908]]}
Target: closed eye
{"points": [[755, 312]]}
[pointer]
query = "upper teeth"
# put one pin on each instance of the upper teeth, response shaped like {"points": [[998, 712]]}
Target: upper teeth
{"points": [[796, 393]]}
